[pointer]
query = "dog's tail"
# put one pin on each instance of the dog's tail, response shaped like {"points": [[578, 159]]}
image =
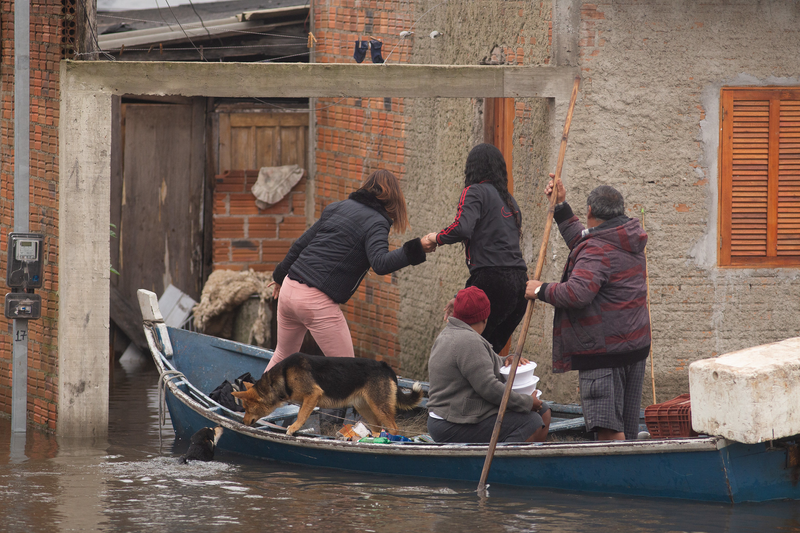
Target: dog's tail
{"points": [[407, 401]]}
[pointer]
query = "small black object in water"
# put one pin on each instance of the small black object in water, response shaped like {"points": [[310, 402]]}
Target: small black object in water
{"points": [[202, 445]]}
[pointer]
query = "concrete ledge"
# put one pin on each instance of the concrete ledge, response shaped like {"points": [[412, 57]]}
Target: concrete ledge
{"points": [[749, 396], [319, 80]]}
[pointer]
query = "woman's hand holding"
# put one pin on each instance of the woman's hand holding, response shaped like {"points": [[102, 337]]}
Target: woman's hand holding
{"points": [[510, 359], [537, 403], [276, 289], [448, 309], [429, 243]]}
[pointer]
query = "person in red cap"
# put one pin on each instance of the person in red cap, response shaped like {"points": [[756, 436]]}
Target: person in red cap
{"points": [[466, 386]]}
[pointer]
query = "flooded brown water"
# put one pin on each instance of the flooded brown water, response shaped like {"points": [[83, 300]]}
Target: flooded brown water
{"points": [[131, 482]]}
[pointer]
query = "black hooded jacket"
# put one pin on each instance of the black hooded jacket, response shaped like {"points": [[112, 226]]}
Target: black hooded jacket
{"points": [[487, 228], [336, 252]]}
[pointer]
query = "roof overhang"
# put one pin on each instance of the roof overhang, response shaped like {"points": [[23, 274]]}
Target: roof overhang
{"points": [[251, 22], [269, 14]]}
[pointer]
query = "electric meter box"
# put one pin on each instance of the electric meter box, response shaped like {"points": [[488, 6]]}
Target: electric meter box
{"points": [[23, 305], [24, 270]]}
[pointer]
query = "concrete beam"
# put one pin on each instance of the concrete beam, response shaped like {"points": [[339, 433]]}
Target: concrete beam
{"points": [[319, 80], [566, 32]]}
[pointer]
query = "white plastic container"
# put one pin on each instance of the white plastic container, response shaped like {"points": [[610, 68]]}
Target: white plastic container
{"points": [[524, 381]]}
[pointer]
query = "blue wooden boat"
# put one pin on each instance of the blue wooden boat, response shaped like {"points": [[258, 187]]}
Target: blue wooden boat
{"points": [[701, 468]]}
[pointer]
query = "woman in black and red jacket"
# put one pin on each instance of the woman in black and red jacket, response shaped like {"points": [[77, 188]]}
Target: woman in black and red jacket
{"points": [[488, 222]]}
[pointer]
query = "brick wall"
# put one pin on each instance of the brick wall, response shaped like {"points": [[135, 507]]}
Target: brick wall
{"points": [[47, 20], [356, 136], [245, 236]]}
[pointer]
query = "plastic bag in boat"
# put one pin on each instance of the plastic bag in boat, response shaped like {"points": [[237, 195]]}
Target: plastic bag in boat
{"points": [[222, 394]]}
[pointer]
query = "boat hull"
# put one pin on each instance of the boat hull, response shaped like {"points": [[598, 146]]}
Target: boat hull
{"points": [[702, 468]]}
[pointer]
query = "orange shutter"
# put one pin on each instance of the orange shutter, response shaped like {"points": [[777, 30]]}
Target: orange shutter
{"points": [[760, 178], [789, 178]]}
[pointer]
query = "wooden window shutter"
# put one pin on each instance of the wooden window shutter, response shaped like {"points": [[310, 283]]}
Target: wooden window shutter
{"points": [[788, 241], [759, 222]]}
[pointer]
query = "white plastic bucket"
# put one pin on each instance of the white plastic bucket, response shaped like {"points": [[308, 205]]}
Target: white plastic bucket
{"points": [[524, 381]]}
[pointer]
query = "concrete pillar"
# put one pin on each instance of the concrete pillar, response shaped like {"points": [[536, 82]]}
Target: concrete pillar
{"points": [[566, 32], [84, 260]]}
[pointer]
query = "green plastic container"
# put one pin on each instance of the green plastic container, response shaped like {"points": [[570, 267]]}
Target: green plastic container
{"points": [[375, 440]]}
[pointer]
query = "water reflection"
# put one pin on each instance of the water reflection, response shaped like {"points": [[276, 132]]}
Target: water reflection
{"points": [[131, 482]]}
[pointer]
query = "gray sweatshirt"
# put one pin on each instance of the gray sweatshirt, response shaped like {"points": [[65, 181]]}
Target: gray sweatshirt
{"points": [[466, 386]]}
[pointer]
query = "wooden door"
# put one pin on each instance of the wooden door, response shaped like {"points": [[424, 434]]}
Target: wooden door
{"points": [[498, 129], [160, 231], [249, 141]]}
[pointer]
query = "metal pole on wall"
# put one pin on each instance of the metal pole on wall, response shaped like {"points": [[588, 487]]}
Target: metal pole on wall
{"points": [[22, 104], [311, 172]]}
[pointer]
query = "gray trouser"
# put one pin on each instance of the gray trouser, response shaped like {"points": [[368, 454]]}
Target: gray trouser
{"points": [[612, 398], [517, 427]]}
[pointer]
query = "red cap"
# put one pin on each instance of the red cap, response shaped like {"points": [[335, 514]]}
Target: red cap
{"points": [[472, 305]]}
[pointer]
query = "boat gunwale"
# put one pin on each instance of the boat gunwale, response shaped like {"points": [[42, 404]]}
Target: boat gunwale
{"points": [[522, 450], [546, 449]]}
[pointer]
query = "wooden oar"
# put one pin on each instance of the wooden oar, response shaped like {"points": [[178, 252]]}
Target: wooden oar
{"points": [[529, 311]]}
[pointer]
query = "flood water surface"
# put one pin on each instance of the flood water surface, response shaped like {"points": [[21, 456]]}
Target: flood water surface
{"points": [[132, 482]]}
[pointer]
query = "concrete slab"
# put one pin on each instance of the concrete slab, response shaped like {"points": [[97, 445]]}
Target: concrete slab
{"points": [[749, 396]]}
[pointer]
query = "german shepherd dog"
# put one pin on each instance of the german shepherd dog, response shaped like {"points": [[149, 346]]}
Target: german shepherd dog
{"points": [[329, 382]]}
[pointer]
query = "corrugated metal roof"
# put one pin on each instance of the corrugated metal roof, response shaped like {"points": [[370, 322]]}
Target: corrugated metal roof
{"points": [[139, 19], [152, 26]]}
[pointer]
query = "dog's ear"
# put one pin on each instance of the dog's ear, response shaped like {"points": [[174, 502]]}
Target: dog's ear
{"points": [[248, 385], [249, 394]]}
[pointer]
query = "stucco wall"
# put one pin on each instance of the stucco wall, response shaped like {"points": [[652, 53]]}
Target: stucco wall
{"points": [[648, 123], [439, 135]]}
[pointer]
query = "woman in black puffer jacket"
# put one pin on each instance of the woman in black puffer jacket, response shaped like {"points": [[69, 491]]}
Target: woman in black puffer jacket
{"points": [[325, 266]]}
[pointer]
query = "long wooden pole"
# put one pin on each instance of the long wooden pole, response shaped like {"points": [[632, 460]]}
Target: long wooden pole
{"points": [[649, 316], [529, 311]]}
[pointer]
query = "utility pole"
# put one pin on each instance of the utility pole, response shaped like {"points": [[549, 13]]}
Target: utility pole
{"points": [[22, 113]]}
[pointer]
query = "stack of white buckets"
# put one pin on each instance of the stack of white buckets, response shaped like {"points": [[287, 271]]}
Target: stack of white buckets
{"points": [[524, 381]]}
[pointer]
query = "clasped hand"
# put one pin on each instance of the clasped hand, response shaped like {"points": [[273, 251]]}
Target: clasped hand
{"points": [[429, 243]]}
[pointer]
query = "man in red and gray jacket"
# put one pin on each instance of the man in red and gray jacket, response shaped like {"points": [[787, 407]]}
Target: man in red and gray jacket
{"points": [[601, 326]]}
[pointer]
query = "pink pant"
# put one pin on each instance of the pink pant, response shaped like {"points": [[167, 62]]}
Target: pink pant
{"points": [[302, 308]]}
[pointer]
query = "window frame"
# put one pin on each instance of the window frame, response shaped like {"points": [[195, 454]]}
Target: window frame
{"points": [[725, 237]]}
